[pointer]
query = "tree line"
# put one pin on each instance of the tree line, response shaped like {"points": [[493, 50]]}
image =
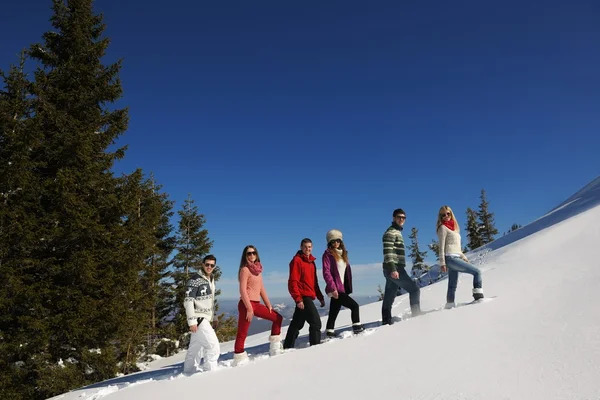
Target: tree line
{"points": [[92, 269]]}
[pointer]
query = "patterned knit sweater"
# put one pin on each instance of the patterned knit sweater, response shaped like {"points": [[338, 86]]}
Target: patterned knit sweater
{"points": [[199, 298], [449, 243], [394, 257]]}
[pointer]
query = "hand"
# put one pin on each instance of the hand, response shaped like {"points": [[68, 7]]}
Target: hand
{"points": [[249, 315], [300, 305], [334, 294], [215, 324], [193, 328], [322, 303], [395, 275], [465, 258], [443, 268], [270, 308]]}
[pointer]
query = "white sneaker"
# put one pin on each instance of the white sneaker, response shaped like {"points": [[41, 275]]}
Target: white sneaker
{"points": [[240, 359]]}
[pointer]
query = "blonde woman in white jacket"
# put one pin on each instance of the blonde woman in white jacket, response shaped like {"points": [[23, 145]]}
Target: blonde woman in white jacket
{"points": [[452, 259], [199, 304]]}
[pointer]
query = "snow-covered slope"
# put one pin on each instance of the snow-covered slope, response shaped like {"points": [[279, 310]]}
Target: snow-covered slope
{"points": [[586, 198], [537, 337]]}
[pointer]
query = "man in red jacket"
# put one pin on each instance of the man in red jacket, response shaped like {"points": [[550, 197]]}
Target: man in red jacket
{"points": [[304, 287]]}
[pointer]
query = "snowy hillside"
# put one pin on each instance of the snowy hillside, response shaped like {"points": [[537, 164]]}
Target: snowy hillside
{"points": [[536, 337]]}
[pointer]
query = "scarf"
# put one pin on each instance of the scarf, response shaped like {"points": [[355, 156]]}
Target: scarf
{"points": [[255, 268], [449, 224]]}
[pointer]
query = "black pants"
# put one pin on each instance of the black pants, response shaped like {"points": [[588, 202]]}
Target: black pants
{"points": [[335, 306], [310, 315]]}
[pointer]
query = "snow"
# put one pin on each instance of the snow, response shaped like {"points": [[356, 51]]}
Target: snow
{"points": [[537, 335]]}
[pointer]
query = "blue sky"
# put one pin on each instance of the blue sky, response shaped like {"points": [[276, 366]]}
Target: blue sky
{"points": [[286, 120]]}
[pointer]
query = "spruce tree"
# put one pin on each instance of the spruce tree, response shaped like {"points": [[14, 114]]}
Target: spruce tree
{"points": [[434, 246], [486, 219], [473, 230], [71, 247], [19, 192], [150, 243], [417, 256], [192, 245], [226, 324]]}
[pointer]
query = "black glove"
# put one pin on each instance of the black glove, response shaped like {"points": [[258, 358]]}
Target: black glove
{"points": [[215, 324]]}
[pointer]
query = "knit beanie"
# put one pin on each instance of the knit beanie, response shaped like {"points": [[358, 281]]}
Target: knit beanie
{"points": [[333, 234]]}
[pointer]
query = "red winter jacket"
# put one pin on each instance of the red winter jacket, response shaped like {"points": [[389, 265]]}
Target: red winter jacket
{"points": [[303, 280]]}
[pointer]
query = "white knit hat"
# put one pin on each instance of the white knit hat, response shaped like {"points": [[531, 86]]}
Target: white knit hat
{"points": [[333, 234]]}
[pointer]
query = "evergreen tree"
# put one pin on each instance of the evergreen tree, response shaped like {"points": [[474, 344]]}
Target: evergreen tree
{"points": [[380, 293], [226, 324], [417, 256], [66, 236], [434, 246], [486, 219], [473, 230], [151, 242], [192, 245], [18, 234]]}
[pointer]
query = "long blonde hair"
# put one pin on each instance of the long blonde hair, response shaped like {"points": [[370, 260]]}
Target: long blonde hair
{"points": [[440, 220]]}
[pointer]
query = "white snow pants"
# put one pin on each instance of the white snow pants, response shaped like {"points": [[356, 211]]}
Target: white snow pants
{"points": [[204, 340]]}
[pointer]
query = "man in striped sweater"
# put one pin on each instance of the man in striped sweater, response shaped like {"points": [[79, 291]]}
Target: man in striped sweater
{"points": [[394, 263]]}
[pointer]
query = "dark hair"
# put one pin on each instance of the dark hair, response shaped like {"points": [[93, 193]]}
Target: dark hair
{"points": [[244, 261], [209, 257], [398, 211], [305, 240], [335, 254]]}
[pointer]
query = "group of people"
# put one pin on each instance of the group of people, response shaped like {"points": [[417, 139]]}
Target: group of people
{"points": [[303, 286]]}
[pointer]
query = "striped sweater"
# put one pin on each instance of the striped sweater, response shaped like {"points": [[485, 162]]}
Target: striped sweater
{"points": [[394, 257]]}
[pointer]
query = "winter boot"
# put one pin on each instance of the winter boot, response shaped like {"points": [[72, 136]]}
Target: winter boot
{"points": [[240, 359], [276, 347], [357, 328], [386, 317], [478, 293], [415, 310], [450, 305], [331, 333]]}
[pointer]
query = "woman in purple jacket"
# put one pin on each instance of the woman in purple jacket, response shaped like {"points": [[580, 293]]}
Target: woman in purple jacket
{"points": [[338, 279]]}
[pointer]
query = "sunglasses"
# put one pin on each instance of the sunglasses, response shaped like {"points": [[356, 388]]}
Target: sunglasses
{"points": [[401, 216], [211, 265], [445, 214], [250, 253], [336, 241]]}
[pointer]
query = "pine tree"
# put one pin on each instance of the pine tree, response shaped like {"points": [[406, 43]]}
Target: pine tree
{"points": [[71, 244], [434, 246], [192, 245], [486, 219], [473, 230], [227, 325], [151, 242], [417, 256], [380, 293], [19, 192]]}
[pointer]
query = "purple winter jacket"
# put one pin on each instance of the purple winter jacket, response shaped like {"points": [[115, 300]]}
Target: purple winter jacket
{"points": [[332, 275]]}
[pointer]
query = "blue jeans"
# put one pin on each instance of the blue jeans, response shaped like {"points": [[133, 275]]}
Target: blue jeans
{"points": [[456, 265], [391, 288]]}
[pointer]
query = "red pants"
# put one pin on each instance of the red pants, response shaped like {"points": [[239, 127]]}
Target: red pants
{"points": [[260, 311]]}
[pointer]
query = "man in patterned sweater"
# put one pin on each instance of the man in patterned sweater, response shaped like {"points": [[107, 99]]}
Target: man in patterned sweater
{"points": [[199, 305], [394, 263]]}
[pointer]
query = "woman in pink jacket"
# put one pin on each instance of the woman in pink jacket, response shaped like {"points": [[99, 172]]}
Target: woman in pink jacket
{"points": [[252, 290], [338, 280]]}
